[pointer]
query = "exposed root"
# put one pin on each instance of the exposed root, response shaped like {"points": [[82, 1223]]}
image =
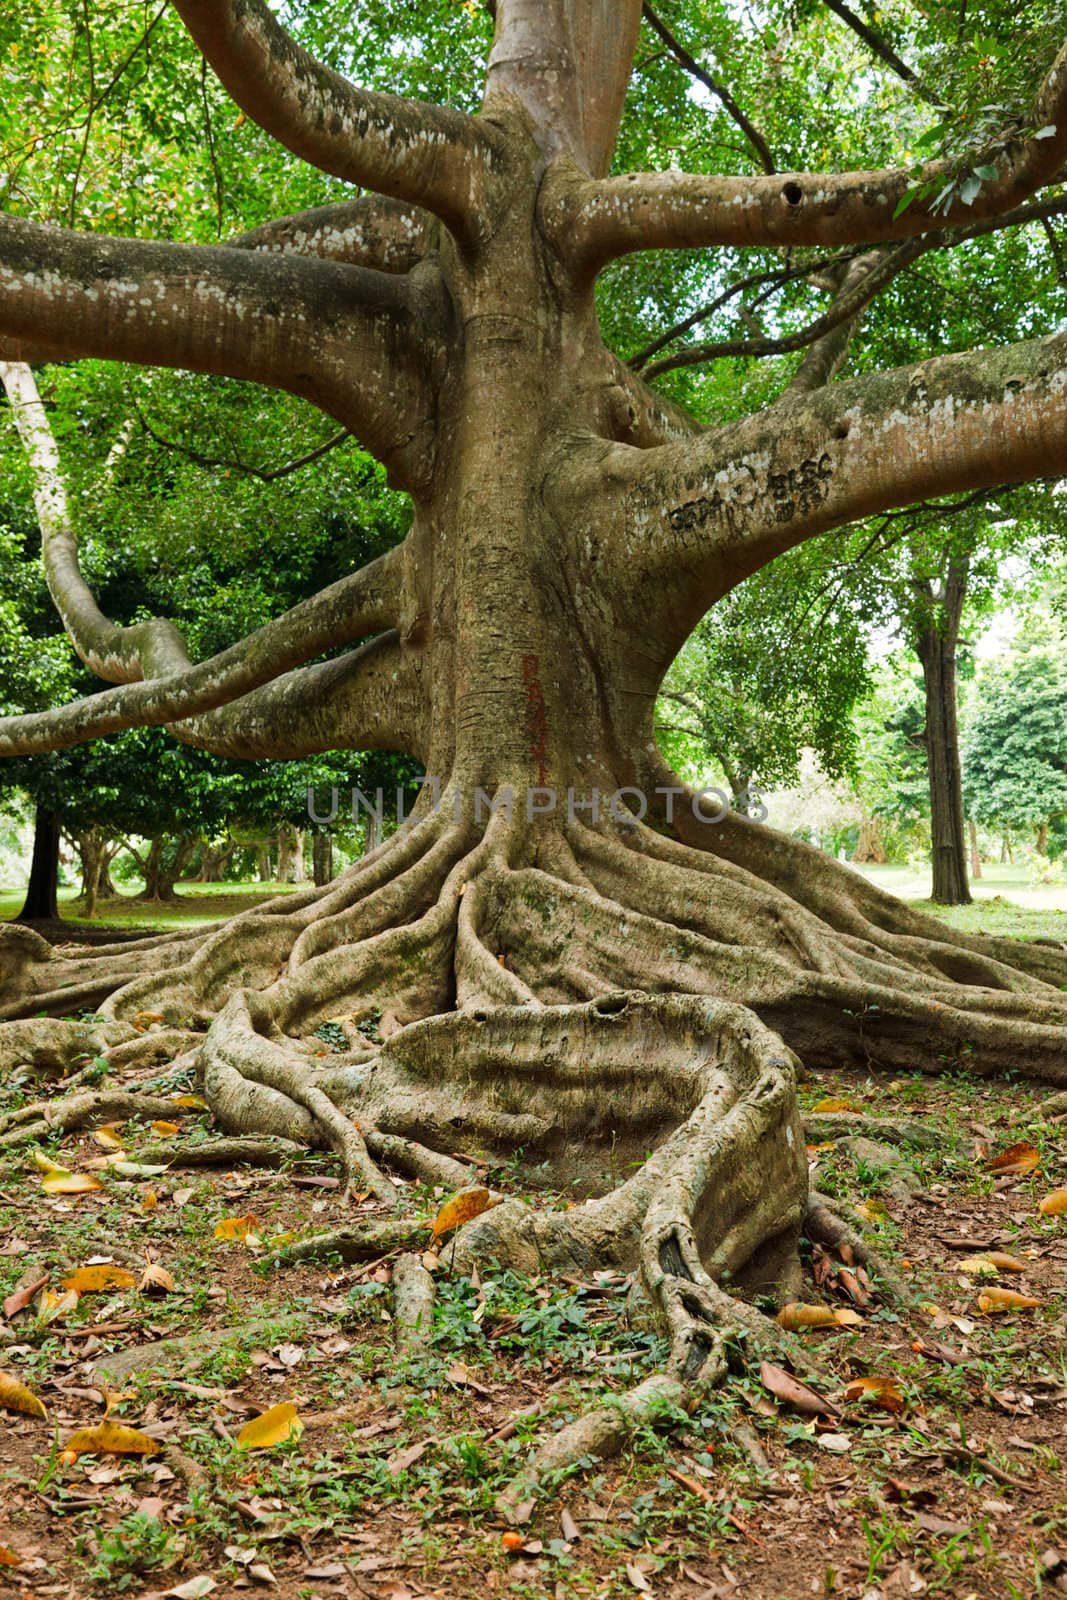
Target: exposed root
{"points": [[79, 1110], [369, 1242], [429, 1166], [413, 1298], [823, 1127], [222, 1153], [827, 1223]]}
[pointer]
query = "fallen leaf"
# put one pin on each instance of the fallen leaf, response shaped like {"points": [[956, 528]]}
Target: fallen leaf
{"points": [[407, 1458], [797, 1315], [15, 1396], [8, 1558], [793, 1393], [192, 1102], [1021, 1157], [167, 1129], [236, 1227], [270, 1428], [463, 1207], [149, 1200], [70, 1183], [111, 1439], [845, 1317], [156, 1280], [839, 1444], [694, 1485], [872, 1210], [107, 1138], [193, 1589], [976, 1266], [137, 1169], [1004, 1262], [1054, 1204], [901, 1493], [511, 1540], [568, 1527], [20, 1299], [91, 1280], [46, 1165], [880, 1392], [832, 1105], [51, 1305], [260, 1571], [638, 1579], [993, 1299]]}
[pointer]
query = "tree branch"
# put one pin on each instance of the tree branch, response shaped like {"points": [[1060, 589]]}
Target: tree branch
{"points": [[244, 468], [428, 155], [861, 285], [592, 223], [372, 231], [368, 699], [356, 343], [362, 603], [121, 655], [697, 517], [881, 48], [721, 93]]}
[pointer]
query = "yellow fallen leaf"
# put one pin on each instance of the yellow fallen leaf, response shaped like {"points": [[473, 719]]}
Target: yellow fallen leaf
{"points": [[836, 1105], [845, 1317], [166, 1128], [149, 1200], [236, 1227], [15, 1396], [881, 1392], [107, 1139], [873, 1210], [977, 1266], [193, 1102], [46, 1165], [71, 1183], [111, 1439], [993, 1299], [51, 1305], [797, 1315], [1054, 1204], [270, 1428], [90, 1280], [462, 1207]]}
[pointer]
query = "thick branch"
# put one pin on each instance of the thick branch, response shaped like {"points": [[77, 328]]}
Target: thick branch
{"points": [[703, 514], [121, 655], [592, 223], [881, 48], [721, 93], [369, 699], [363, 603], [428, 155], [356, 343], [373, 231]]}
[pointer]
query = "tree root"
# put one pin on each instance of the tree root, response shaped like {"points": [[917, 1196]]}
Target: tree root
{"points": [[824, 1127], [413, 1298], [222, 1153], [78, 1111], [827, 1223], [369, 1242]]}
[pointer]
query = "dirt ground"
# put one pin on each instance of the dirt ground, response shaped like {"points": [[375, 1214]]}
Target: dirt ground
{"points": [[946, 1478]]}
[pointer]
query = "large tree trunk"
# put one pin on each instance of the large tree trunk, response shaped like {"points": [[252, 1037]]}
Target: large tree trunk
{"points": [[936, 644], [164, 864], [41, 903]]}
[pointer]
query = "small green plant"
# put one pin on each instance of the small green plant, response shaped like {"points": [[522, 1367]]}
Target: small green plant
{"points": [[134, 1546]]}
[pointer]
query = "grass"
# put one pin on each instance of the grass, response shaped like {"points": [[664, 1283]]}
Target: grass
{"points": [[1006, 902], [198, 904]]}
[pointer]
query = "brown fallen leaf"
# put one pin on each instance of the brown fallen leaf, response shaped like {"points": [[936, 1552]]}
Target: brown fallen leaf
{"points": [[463, 1207], [16, 1396], [92, 1280], [880, 1392], [403, 1459], [8, 1558], [51, 1306], [901, 1493], [156, 1280], [1005, 1262], [111, 1439], [568, 1527], [694, 1485], [20, 1298], [1021, 1157], [791, 1392]]}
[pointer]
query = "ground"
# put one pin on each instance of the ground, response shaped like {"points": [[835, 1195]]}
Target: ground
{"points": [[389, 1491]]}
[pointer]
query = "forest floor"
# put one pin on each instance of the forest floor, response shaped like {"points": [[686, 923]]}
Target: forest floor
{"points": [[948, 1479]]}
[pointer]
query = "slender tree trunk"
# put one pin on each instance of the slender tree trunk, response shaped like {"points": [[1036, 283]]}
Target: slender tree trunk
{"points": [[93, 848], [938, 636], [1042, 839], [263, 863], [286, 847], [42, 903], [976, 860], [322, 857], [162, 870], [372, 836]]}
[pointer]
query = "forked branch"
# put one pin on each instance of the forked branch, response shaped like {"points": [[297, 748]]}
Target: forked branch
{"points": [[428, 155]]}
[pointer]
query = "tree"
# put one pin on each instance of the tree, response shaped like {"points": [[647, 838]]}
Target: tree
{"points": [[571, 527], [1015, 746]]}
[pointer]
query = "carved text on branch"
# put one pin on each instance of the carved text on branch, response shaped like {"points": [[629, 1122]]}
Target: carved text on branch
{"points": [[798, 489]]}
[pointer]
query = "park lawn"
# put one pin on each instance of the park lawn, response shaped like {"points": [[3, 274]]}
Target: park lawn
{"points": [[197, 904]]}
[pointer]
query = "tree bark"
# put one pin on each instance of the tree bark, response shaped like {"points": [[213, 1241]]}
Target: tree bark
{"points": [[263, 863], [322, 857], [1042, 839], [869, 846], [936, 644], [41, 903]]}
